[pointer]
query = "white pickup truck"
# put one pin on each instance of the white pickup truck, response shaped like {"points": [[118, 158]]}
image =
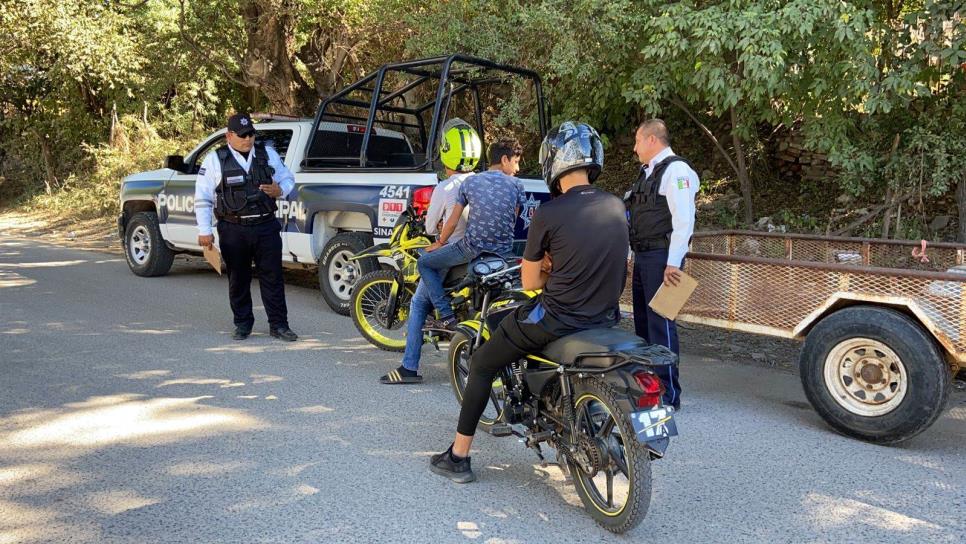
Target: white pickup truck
{"points": [[354, 176]]}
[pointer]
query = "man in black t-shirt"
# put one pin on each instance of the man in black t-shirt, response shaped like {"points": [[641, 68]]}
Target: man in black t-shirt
{"points": [[576, 252]]}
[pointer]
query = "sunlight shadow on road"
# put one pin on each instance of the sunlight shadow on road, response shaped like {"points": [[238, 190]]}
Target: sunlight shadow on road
{"points": [[48, 264], [220, 382], [827, 512], [12, 279], [79, 428], [53, 438]]}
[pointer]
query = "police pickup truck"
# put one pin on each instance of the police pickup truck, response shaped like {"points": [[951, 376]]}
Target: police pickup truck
{"points": [[354, 174]]}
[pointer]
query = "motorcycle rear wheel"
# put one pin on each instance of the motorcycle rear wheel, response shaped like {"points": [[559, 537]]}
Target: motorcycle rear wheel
{"points": [[616, 489]]}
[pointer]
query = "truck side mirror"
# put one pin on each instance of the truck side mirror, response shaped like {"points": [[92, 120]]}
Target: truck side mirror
{"points": [[175, 162]]}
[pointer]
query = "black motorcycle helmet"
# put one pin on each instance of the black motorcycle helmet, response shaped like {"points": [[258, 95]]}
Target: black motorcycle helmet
{"points": [[569, 147]]}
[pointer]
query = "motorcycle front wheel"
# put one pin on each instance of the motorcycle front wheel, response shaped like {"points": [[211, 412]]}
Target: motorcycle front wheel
{"points": [[369, 310], [458, 360]]}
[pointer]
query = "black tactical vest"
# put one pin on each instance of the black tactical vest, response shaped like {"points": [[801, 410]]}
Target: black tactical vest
{"points": [[239, 200], [650, 217]]}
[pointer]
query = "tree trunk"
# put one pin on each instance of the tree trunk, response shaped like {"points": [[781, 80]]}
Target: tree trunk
{"points": [[707, 132], [961, 204], [743, 179], [887, 220], [50, 180], [268, 63]]}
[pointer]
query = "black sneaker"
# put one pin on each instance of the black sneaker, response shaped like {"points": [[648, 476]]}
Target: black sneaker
{"points": [[283, 333], [241, 333], [458, 471]]}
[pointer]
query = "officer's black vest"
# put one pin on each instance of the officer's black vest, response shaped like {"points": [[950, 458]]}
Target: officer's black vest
{"points": [[239, 199], [650, 217]]}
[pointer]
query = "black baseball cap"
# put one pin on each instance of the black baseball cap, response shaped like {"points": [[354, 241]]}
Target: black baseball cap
{"points": [[241, 124]]}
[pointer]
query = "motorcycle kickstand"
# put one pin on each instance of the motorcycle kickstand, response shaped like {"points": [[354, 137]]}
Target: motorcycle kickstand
{"points": [[539, 451]]}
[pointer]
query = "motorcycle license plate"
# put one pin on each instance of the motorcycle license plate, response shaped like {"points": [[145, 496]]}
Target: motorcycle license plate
{"points": [[654, 425]]}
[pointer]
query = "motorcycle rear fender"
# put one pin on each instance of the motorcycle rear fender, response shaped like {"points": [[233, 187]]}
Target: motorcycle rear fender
{"points": [[625, 386], [469, 328]]}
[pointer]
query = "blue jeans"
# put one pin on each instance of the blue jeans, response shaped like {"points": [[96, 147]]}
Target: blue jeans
{"points": [[419, 308], [648, 276], [433, 268]]}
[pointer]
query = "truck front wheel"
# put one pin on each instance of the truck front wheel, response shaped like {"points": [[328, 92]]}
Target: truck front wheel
{"points": [[873, 373], [337, 274], [147, 254]]}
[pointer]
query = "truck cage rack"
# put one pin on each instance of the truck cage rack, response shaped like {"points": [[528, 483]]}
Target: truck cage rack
{"points": [[455, 74]]}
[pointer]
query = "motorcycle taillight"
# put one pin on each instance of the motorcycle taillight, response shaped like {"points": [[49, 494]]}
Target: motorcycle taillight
{"points": [[651, 387], [421, 198]]}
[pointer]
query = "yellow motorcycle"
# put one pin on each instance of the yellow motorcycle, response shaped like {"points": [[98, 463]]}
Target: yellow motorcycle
{"points": [[380, 300]]}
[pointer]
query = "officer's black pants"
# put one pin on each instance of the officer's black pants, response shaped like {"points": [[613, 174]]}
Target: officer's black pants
{"points": [[648, 276], [521, 332], [242, 244]]}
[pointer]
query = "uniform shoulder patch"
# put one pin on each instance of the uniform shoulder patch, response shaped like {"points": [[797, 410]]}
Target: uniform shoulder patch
{"points": [[201, 172], [683, 183]]}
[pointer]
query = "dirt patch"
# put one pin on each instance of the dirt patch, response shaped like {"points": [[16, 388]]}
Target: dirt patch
{"points": [[739, 347], [98, 234]]}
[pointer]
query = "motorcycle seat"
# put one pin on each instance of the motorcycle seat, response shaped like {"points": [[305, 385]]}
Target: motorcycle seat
{"points": [[566, 350]]}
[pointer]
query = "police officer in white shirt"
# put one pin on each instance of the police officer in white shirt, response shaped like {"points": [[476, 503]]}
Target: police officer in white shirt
{"points": [[661, 205], [239, 183]]}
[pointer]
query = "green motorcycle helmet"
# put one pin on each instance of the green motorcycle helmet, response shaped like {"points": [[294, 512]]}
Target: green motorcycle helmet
{"points": [[461, 148]]}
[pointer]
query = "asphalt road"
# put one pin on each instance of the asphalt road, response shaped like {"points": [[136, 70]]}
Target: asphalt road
{"points": [[127, 414]]}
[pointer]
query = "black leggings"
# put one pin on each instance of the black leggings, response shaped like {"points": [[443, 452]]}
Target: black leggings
{"points": [[511, 340]]}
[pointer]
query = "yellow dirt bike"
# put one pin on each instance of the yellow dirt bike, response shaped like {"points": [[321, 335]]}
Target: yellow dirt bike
{"points": [[380, 300]]}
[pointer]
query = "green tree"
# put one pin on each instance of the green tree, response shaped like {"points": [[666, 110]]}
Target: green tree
{"points": [[749, 62], [292, 52]]}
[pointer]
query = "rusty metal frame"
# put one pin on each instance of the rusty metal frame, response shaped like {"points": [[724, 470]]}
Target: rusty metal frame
{"points": [[843, 284]]}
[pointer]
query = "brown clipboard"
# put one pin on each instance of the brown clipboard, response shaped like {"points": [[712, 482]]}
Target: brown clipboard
{"points": [[669, 300], [213, 256]]}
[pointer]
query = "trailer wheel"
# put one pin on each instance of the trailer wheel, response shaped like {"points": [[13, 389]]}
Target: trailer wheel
{"points": [[873, 373]]}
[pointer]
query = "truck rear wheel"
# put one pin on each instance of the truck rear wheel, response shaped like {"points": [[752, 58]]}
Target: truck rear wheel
{"points": [[144, 248], [873, 373], [337, 274]]}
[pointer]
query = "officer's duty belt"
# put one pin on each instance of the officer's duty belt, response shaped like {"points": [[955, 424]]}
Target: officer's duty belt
{"points": [[248, 220], [650, 244]]}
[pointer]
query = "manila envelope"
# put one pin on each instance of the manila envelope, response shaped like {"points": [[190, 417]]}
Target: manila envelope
{"points": [[669, 300], [214, 258]]}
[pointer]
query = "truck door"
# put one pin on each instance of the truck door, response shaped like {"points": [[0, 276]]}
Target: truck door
{"points": [[281, 140], [176, 211]]}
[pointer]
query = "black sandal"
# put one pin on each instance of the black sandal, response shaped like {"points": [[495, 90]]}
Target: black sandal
{"points": [[396, 377]]}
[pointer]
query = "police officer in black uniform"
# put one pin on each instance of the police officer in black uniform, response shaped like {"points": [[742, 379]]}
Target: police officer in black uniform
{"points": [[661, 205], [239, 183]]}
